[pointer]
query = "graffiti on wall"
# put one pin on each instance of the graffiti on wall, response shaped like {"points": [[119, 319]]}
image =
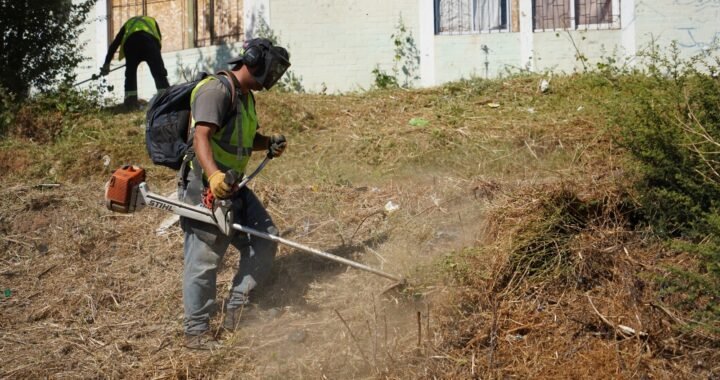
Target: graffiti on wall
{"points": [[692, 41], [700, 4]]}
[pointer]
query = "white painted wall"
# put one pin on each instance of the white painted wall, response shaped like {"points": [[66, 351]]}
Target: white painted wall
{"points": [[462, 56], [694, 24], [334, 45], [557, 52]]}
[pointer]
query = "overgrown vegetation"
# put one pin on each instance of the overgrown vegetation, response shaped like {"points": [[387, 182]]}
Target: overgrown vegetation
{"points": [[39, 43], [563, 253], [544, 252], [668, 118], [42, 117], [40, 48]]}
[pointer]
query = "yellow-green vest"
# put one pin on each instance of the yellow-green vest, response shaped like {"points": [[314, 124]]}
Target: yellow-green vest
{"points": [[239, 131], [139, 24]]}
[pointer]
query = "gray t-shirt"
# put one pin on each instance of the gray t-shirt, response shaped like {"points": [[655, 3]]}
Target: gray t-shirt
{"points": [[211, 103]]}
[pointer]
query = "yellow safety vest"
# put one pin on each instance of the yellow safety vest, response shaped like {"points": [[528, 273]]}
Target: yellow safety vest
{"points": [[232, 143], [139, 24]]}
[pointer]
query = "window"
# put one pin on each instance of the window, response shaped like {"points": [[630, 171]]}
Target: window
{"points": [[184, 24], [576, 14], [471, 16], [218, 22]]}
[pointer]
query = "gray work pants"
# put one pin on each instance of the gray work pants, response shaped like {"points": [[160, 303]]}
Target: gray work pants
{"points": [[205, 247]]}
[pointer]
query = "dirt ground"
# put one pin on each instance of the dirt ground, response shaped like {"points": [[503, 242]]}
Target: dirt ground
{"points": [[514, 230], [99, 294]]}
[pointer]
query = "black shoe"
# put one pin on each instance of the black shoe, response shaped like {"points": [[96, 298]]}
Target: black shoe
{"points": [[204, 341]]}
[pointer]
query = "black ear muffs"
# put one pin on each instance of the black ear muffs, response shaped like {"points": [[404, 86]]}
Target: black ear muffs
{"points": [[253, 56]]}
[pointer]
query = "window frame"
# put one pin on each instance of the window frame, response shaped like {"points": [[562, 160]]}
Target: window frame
{"points": [[574, 17], [195, 13], [473, 20]]}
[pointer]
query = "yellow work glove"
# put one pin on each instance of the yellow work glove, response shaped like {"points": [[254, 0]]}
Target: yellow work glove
{"points": [[219, 188]]}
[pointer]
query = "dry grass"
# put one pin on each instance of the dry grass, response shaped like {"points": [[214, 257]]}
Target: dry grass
{"points": [[563, 283], [491, 294]]}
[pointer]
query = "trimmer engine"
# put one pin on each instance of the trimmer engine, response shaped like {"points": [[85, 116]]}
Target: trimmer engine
{"points": [[121, 191], [127, 192]]}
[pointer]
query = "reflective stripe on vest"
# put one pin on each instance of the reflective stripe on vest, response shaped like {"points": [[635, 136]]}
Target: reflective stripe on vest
{"points": [[139, 24], [232, 143]]}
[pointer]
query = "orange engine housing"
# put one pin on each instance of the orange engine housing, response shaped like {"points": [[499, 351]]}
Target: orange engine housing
{"points": [[121, 191]]}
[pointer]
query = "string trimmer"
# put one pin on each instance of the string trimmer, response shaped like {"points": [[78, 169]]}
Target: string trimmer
{"points": [[98, 76], [127, 192]]}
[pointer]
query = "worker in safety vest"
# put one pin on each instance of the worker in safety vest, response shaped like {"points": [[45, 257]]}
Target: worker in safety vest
{"points": [[225, 133], [139, 40]]}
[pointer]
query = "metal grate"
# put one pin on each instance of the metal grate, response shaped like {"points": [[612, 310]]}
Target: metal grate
{"points": [[575, 14]]}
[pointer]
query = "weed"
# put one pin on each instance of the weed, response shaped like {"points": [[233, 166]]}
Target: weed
{"points": [[383, 80], [406, 61]]}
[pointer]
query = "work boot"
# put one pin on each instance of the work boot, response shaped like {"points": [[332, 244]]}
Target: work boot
{"points": [[203, 341], [231, 322], [232, 319], [131, 102]]}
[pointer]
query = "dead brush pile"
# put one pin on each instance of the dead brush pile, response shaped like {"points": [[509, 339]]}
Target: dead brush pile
{"points": [[575, 296]]}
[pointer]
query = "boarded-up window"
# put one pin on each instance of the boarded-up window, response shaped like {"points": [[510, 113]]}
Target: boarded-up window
{"points": [[576, 14], [217, 22], [471, 16], [184, 24], [167, 13]]}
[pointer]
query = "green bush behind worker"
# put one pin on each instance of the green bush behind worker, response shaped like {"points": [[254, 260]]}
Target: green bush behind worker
{"points": [[139, 40], [221, 143]]}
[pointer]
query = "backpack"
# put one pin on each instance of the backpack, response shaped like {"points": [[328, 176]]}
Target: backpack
{"points": [[167, 124]]}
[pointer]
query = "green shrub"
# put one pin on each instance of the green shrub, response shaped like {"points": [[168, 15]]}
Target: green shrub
{"points": [[7, 110], [42, 117], [40, 45], [384, 80], [668, 116]]}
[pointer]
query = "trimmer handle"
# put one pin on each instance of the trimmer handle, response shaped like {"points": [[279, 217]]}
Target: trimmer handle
{"points": [[232, 177]]}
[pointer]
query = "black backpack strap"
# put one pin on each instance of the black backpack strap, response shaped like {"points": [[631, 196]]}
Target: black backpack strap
{"points": [[185, 168]]}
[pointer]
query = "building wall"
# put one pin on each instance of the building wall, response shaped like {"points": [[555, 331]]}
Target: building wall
{"points": [[560, 51], [464, 56], [336, 44], [181, 64], [694, 24]]}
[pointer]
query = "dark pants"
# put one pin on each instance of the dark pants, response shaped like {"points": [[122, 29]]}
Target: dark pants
{"points": [[140, 47]]}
